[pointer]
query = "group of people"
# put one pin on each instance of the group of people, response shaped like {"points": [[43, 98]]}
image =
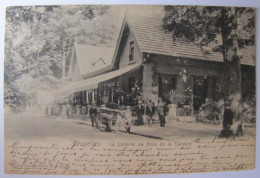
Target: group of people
{"points": [[140, 111], [149, 111]]}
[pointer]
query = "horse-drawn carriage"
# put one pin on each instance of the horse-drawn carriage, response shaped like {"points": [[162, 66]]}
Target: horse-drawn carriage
{"points": [[113, 120]]}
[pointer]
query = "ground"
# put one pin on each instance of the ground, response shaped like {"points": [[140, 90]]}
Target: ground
{"points": [[36, 126]]}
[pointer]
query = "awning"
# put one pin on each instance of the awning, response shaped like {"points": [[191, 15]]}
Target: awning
{"points": [[92, 83]]}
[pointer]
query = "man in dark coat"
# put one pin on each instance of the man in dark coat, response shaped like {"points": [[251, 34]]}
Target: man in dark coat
{"points": [[161, 112], [140, 113], [93, 114], [227, 122], [149, 112]]}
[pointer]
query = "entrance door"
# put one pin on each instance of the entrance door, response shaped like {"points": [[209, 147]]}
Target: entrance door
{"points": [[199, 92]]}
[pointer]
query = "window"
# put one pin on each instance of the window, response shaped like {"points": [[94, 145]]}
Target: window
{"points": [[90, 97], [131, 51]]}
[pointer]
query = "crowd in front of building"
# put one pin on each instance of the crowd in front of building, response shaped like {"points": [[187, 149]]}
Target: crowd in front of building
{"points": [[136, 112]]}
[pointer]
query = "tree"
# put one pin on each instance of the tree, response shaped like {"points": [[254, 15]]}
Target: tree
{"points": [[38, 43], [235, 26], [70, 23]]}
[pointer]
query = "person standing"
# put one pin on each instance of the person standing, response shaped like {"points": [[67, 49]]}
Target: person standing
{"points": [[227, 121], [140, 113], [161, 112], [47, 110], [93, 114], [68, 110], [149, 112], [128, 116]]}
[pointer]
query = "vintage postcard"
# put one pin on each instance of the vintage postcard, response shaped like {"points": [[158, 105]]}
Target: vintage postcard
{"points": [[129, 90]]}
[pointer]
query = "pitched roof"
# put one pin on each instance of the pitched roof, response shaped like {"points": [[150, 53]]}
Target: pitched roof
{"points": [[153, 39], [93, 58]]}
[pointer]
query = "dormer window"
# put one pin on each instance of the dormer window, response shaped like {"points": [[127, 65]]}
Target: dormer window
{"points": [[131, 51]]}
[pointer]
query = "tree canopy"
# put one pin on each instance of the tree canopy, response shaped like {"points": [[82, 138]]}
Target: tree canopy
{"points": [[231, 28], [204, 24], [39, 40]]}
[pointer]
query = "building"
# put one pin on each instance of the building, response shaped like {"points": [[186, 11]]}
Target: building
{"points": [[146, 57], [86, 61], [171, 65]]}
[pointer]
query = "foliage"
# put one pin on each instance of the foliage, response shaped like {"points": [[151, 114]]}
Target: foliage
{"points": [[177, 98], [219, 29], [248, 76], [172, 96], [211, 111], [249, 111], [186, 110], [135, 94], [39, 41], [202, 25]]}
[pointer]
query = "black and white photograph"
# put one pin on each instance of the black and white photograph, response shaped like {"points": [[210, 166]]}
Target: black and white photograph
{"points": [[129, 89]]}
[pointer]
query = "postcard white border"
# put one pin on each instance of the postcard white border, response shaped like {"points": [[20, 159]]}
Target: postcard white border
{"points": [[249, 3]]}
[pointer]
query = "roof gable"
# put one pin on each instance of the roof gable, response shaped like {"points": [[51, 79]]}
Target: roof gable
{"points": [[152, 38], [93, 58]]}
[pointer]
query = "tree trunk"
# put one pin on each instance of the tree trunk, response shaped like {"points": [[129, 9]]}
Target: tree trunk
{"points": [[65, 54], [63, 67], [232, 121]]}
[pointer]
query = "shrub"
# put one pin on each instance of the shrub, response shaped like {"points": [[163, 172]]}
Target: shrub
{"points": [[211, 111], [249, 111]]}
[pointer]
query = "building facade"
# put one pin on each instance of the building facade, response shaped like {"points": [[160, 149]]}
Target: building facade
{"points": [[190, 72], [148, 63]]}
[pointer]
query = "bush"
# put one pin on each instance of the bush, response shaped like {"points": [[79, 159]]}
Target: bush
{"points": [[249, 111], [185, 110], [211, 112]]}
